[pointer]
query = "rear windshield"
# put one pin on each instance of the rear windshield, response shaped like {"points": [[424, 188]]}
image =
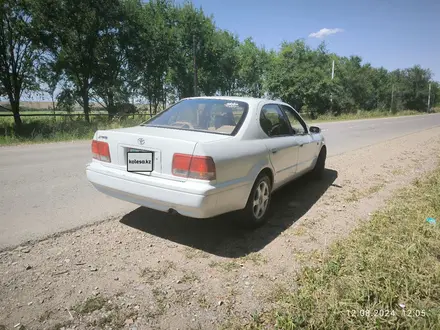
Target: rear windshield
{"points": [[204, 115]]}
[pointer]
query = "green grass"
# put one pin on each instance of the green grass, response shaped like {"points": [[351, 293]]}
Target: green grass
{"points": [[151, 275], [190, 277], [115, 319], [256, 258], [356, 195], [385, 275], [192, 253], [61, 325], [90, 305], [227, 266], [362, 115], [112, 314], [49, 129]]}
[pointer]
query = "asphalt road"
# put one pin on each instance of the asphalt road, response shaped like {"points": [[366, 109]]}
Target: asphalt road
{"points": [[44, 189]]}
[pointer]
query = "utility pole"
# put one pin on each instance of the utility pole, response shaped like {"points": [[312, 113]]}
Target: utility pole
{"points": [[333, 69], [195, 66], [392, 98], [331, 94], [429, 97], [333, 75]]}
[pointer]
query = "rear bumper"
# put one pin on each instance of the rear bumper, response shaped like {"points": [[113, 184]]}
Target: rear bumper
{"points": [[196, 200]]}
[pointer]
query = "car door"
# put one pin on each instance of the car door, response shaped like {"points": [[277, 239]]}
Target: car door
{"points": [[283, 148], [308, 147]]}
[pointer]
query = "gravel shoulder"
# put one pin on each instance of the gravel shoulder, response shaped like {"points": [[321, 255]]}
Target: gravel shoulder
{"points": [[149, 270]]}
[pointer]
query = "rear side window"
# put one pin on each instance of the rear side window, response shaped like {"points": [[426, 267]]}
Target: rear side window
{"points": [[204, 115], [273, 121]]}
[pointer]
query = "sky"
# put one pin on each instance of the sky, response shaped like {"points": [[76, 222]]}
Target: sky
{"points": [[390, 33]]}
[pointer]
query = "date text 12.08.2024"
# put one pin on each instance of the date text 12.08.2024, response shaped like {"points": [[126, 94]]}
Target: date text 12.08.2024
{"points": [[386, 313]]}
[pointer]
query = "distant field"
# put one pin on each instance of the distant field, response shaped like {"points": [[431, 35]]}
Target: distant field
{"points": [[42, 105], [52, 129], [48, 106]]}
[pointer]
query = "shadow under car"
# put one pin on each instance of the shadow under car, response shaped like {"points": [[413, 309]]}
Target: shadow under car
{"points": [[220, 235]]}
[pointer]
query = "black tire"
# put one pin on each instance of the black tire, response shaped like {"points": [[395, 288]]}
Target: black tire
{"points": [[250, 217], [319, 169]]}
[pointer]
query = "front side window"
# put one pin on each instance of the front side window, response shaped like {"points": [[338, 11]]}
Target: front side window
{"points": [[204, 115], [273, 121], [298, 126]]}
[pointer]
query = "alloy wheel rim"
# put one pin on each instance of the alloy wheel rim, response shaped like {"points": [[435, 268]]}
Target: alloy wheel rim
{"points": [[261, 200]]}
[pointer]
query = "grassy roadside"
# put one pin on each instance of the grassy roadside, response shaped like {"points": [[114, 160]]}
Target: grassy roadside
{"points": [[48, 129], [386, 275], [364, 115]]}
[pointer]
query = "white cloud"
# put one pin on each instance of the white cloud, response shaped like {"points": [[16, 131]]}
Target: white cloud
{"points": [[324, 33]]}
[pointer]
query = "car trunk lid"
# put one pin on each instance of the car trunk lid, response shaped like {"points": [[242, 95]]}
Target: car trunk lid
{"points": [[163, 143]]}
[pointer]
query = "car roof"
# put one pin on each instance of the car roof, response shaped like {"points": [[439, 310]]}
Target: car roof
{"points": [[253, 101]]}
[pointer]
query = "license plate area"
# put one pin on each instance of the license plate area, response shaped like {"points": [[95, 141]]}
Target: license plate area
{"points": [[140, 161]]}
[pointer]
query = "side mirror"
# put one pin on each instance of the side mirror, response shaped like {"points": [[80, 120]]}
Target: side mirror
{"points": [[314, 129]]}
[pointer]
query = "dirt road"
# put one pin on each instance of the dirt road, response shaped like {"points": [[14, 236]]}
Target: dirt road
{"points": [[148, 270]]}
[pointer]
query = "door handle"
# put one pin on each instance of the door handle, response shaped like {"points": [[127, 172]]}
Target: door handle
{"points": [[274, 151]]}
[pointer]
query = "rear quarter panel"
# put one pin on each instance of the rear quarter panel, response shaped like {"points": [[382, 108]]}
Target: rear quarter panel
{"points": [[237, 162]]}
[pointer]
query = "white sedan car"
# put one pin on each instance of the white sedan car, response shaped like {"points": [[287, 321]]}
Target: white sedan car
{"points": [[206, 156]]}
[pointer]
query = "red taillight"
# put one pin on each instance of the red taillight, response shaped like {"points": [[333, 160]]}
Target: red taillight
{"points": [[101, 151], [95, 149], [194, 167], [181, 164]]}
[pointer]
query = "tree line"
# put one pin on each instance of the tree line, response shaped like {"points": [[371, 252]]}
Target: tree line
{"points": [[114, 51]]}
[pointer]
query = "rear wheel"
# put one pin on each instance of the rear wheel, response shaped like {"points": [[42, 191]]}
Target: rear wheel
{"points": [[255, 213], [319, 169]]}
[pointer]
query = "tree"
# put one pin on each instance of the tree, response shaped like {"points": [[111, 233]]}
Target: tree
{"points": [[73, 34], [149, 56], [251, 69], [194, 36], [355, 88], [411, 87], [319, 91], [301, 76], [19, 53], [227, 62], [416, 81], [435, 94], [281, 78], [217, 73], [382, 88], [49, 76], [112, 80]]}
